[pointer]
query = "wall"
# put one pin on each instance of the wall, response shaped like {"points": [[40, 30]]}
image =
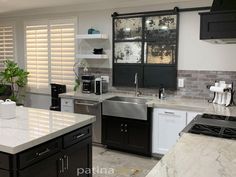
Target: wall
{"points": [[102, 21], [194, 55]]}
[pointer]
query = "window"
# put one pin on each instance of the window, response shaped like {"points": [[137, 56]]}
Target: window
{"points": [[6, 44], [62, 53], [37, 56], [50, 53]]}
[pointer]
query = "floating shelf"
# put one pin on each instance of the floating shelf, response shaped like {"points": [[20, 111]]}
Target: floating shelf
{"points": [[92, 56], [92, 36]]}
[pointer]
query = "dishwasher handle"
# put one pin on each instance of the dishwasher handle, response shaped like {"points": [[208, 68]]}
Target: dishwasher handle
{"points": [[86, 104]]}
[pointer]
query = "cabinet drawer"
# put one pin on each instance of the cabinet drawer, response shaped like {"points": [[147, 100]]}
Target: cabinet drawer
{"points": [[5, 161], [76, 136], [67, 102], [5, 173], [39, 152], [67, 109]]}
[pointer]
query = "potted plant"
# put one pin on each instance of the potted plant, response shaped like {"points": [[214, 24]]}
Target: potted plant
{"points": [[78, 66], [16, 78]]}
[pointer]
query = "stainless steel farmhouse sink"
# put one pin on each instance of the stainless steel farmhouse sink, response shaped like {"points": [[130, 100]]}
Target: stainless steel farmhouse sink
{"points": [[126, 107]]}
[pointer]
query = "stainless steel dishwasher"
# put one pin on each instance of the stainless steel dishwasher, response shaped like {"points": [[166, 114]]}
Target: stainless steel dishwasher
{"points": [[91, 108]]}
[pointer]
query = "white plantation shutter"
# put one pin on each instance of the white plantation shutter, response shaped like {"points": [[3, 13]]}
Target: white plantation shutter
{"points": [[37, 58], [6, 44], [50, 54], [62, 42]]}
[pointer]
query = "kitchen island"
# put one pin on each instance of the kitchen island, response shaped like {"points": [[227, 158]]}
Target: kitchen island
{"points": [[198, 156], [42, 143]]}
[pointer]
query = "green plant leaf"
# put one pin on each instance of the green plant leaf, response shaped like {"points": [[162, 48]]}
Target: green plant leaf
{"points": [[14, 76]]}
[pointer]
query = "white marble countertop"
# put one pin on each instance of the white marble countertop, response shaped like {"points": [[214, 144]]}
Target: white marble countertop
{"points": [[196, 105], [32, 127], [198, 156], [193, 105]]}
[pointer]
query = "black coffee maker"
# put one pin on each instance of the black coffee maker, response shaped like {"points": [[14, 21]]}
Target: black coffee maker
{"points": [[56, 89], [88, 83]]}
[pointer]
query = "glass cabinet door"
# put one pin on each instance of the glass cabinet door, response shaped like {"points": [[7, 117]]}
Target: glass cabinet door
{"points": [[161, 28], [160, 39], [156, 53], [128, 52], [128, 28], [147, 45]]}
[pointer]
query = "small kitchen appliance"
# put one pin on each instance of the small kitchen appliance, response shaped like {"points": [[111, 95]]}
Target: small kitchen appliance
{"points": [[56, 89], [223, 93], [88, 83], [100, 86], [213, 125]]}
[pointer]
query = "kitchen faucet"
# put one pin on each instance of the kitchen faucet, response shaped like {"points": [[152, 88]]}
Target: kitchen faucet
{"points": [[137, 92]]}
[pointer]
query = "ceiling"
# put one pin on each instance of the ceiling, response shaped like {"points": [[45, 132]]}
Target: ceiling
{"points": [[19, 5]]}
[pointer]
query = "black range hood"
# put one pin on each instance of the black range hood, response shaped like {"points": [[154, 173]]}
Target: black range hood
{"points": [[223, 6], [219, 25]]}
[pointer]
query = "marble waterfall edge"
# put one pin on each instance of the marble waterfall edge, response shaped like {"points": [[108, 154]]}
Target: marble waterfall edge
{"points": [[32, 127]]}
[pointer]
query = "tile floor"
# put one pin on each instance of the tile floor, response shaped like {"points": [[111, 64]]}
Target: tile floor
{"points": [[111, 163]]}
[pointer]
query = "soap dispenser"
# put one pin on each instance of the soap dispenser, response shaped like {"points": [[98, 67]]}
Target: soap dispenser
{"points": [[161, 93]]}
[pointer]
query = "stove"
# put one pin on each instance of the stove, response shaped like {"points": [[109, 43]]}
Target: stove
{"points": [[212, 116], [213, 125]]}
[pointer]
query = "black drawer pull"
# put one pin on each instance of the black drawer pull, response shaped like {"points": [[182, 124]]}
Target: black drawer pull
{"points": [[76, 136], [79, 136], [38, 154]]}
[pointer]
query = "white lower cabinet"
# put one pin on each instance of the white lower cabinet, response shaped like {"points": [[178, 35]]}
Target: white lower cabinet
{"points": [[167, 124], [67, 105]]}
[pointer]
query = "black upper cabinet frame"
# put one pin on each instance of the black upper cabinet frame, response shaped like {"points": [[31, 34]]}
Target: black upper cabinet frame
{"points": [[123, 73]]}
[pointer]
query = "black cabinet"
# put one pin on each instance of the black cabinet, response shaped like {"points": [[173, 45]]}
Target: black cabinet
{"points": [[156, 76], [137, 136], [79, 159], [149, 48], [67, 156], [112, 133], [38, 153], [127, 134], [5, 173], [124, 75], [218, 26], [48, 167]]}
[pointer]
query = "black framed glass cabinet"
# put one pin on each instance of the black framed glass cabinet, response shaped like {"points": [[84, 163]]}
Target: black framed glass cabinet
{"points": [[146, 44]]}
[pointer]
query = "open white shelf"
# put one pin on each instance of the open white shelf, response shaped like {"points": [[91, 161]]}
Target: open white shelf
{"points": [[91, 56], [92, 36]]}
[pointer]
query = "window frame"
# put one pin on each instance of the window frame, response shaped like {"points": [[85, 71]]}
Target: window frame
{"points": [[48, 22], [13, 24]]}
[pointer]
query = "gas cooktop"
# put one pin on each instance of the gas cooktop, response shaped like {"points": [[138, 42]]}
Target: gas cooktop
{"points": [[213, 125]]}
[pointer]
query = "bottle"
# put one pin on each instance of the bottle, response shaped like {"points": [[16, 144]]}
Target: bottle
{"points": [[162, 93]]}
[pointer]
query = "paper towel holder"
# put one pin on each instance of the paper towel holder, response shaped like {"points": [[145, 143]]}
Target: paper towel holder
{"points": [[231, 90]]}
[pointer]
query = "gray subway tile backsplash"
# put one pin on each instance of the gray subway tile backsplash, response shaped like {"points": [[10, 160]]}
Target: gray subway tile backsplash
{"points": [[194, 85]]}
